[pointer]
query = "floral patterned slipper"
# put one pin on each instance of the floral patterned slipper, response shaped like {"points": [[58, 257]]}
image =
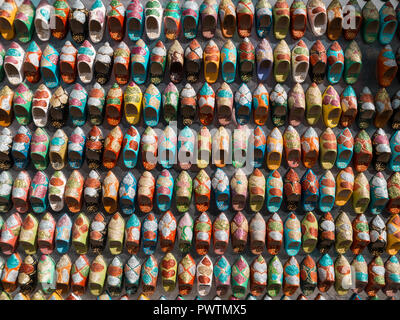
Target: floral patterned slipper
{"points": [[188, 102], [274, 149], [149, 147], [110, 192], [335, 63], [308, 275], [257, 229], [211, 59], [96, 25], [202, 233], [309, 147], [328, 147], [361, 193], [343, 280], [282, 58], [112, 147], [292, 235], [309, 191], [206, 101], [183, 191], [204, 275], [40, 105], [115, 236], [240, 277], [153, 19], [370, 25], [292, 147], [61, 12], [85, 58], [318, 62], [170, 102], [68, 62], [220, 234], [76, 147], [281, 19], [291, 278], [257, 185], [344, 186], [46, 231], [168, 272], [382, 150], [122, 55], [275, 277], [185, 232], [204, 148], [313, 104], [335, 20], [23, 22], [95, 104], [39, 149], [149, 276], [91, 191], [63, 271], [239, 232], [292, 189], [6, 111], [78, 21], [38, 192], [103, 63], [113, 108], [300, 57], [274, 191], [261, 105], [139, 61], [362, 151], [228, 62], [297, 105], [278, 101], [8, 11], [209, 18], [132, 243], [167, 148], [245, 16], [352, 63], [327, 186], [116, 20], [379, 193], [298, 19], [263, 18], [58, 149], [77, 105], [331, 108], [202, 191], [73, 191], [274, 234], [20, 147], [350, 30], [13, 63], [361, 268], [387, 23], [146, 186], [386, 67], [345, 145], [190, 18], [186, 275], [151, 105]]}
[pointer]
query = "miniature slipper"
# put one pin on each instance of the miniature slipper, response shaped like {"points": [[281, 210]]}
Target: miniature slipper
{"points": [[362, 151], [343, 276], [95, 104], [381, 149], [227, 16], [292, 189], [170, 102], [327, 186], [146, 186], [292, 146], [394, 162], [112, 147], [149, 147], [240, 277], [239, 185], [6, 111], [331, 108], [278, 101], [40, 106], [309, 147], [186, 276], [392, 268], [94, 147], [27, 278], [61, 13], [103, 63], [383, 108], [164, 189], [186, 143], [298, 19], [110, 192], [73, 191], [393, 205], [134, 20], [190, 19], [317, 17], [275, 277], [113, 108], [361, 237], [274, 191], [300, 56], [211, 59], [257, 228], [175, 59], [274, 234], [344, 186], [206, 102], [352, 63], [139, 61], [392, 226], [183, 191], [246, 54], [13, 63], [361, 193], [350, 30], [308, 275], [245, 16], [204, 148], [297, 105], [42, 20], [282, 60], [309, 191], [56, 191], [130, 147], [85, 59], [263, 18], [328, 147], [167, 229], [132, 103], [98, 231], [221, 234], [32, 62], [228, 61], [318, 62], [39, 149], [58, 108], [58, 149], [6, 142], [209, 18], [172, 20], [78, 21], [395, 106], [91, 191], [97, 17], [23, 22], [257, 184], [376, 277], [77, 105], [76, 147], [313, 104], [38, 192], [281, 19], [335, 20], [326, 232], [132, 243], [326, 274], [243, 100], [291, 277], [274, 149], [116, 20], [68, 62], [79, 275], [220, 148], [97, 275], [115, 235], [239, 232], [348, 102], [386, 67], [121, 63], [379, 193], [185, 233], [370, 25], [8, 11], [20, 192], [387, 23], [261, 105], [224, 104], [6, 183], [46, 231], [151, 105], [260, 142], [202, 233], [204, 275], [194, 58], [167, 148], [345, 145], [21, 146], [366, 109], [149, 276], [292, 235], [265, 60], [153, 19], [359, 265], [335, 63]]}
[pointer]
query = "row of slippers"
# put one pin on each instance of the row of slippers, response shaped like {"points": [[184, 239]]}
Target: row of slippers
{"points": [[260, 276], [21, 21], [55, 109], [136, 64]]}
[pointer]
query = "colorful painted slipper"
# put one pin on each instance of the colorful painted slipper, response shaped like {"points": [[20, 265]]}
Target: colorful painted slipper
{"points": [[274, 149], [183, 191], [381, 149], [98, 231], [74, 191], [376, 277], [300, 56], [366, 109], [170, 102], [292, 189], [6, 142], [275, 277], [393, 205], [281, 19], [211, 59], [240, 277], [95, 104], [103, 63], [202, 233], [122, 55], [387, 23], [274, 191], [206, 101], [392, 268], [297, 105], [112, 147], [345, 145], [308, 275], [361, 236], [27, 277], [278, 101], [38, 192], [116, 20], [76, 147], [228, 61], [327, 186], [23, 22], [32, 62], [313, 104], [132, 238], [167, 148], [204, 275], [85, 61], [78, 21], [58, 149], [350, 30], [343, 276], [139, 61], [379, 193], [186, 144], [146, 186], [132, 103], [77, 105], [261, 105], [130, 147], [39, 149], [61, 12], [6, 183], [245, 17], [291, 279], [6, 110], [260, 141], [204, 148], [134, 20], [220, 234], [263, 18], [40, 105], [265, 60], [370, 25], [298, 19], [202, 191], [331, 107], [328, 147], [362, 151], [68, 62], [185, 233], [46, 231], [383, 108], [224, 104], [113, 112], [20, 192], [188, 101], [257, 184], [344, 186], [348, 101], [58, 108], [326, 273], [317, 17], [96, 25], [257, 229], [190, 19], [352, 63], [394, 162], [91, 191], [335, 63], [175, 59], [153, 18], [79, 275], [292, 147], [94, 148], [151, 105], [318, 62], [239, 232], [63, 234], [282, 58], [386, 67], [274, 234], [309, 147], [42, 20], [239, 184], [21, 146], [227, 15], [13, 63], [392, 228], [343, 233], [172, 20], [194, 58], [335, 20], [8, 11], [361, 193], [326, 232], [309, 191], [292, 235], [149, 147], [168, 272], [220, 148], [149, 276], [247, 60], [209, 18], [359, 265], [115, 236]]}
